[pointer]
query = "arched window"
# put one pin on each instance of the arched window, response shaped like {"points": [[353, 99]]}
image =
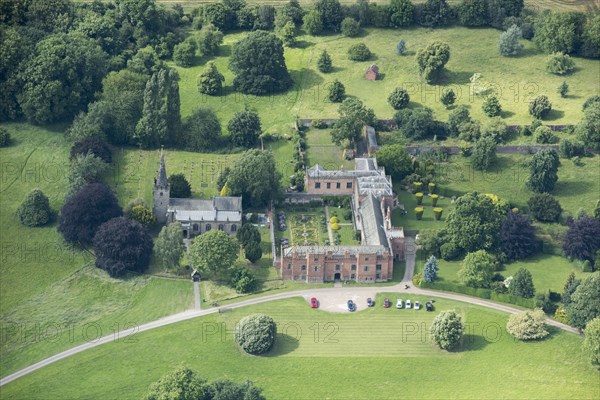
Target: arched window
{"points": [[220, 227], [233, 228], [208, 227], [195, 227]]}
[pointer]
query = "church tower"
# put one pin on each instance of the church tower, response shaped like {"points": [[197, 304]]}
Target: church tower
{"points": [[161, 193]]}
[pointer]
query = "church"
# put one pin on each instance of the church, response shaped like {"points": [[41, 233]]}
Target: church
{"points": [[195, 215]]}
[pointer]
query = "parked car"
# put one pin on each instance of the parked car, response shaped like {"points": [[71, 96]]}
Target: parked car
{"points": [[370, 302], [429, 306], [314, 303], [417, 305], [386, 303], [408, 304], [399, 303], [351, 306]]}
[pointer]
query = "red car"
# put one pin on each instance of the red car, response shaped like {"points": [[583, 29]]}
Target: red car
{"points": [[386, 303], [314, 303]]}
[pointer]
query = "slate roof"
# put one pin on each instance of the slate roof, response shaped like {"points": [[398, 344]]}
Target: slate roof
{"points": [[374, 68], [372, 222], [335, 250], [161, 180], [219, 209]]}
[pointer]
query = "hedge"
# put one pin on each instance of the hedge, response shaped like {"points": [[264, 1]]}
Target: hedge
{"points": [[481, 293]]}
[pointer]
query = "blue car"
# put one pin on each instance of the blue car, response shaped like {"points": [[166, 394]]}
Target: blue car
{"points": [[351, 306], [370, 302]]}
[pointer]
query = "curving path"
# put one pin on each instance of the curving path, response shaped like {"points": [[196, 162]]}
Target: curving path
{"points": [[307, 293]]}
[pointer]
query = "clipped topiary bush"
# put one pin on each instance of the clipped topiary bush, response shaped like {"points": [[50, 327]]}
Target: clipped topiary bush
{"points": [[256, 333], [434, 199], [359, 52], [437, 213], [419, 197], [419, 212], [334, 220], [431, 187], [335, 227], [35, 209], [417, 186]]}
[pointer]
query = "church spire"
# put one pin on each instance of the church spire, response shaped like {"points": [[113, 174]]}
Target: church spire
{"points": [[161, 178]]}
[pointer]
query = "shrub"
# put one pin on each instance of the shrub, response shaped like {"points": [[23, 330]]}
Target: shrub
{"points": [[527, 325], [313, 24], [401, 47], [434, 199], [590, 100], [563, 89], [560, 64], [334, 220], [483, 154], [350, 27], [571, 148], [449, 251], [432, 59], [491, 106], [561, 315], [324, 63], [522, 284], [359, 52], [210, 81], [398, 98], [447, 329], [256, 333], [141, 214], [180, 187], [335, 227], [253, 252], [508, 43], [35, 209], [448, 97], [4, 137], [477, 269], [591, 342], [419, 212], [544, 135], [540, 107], [437, 213], [430, 270], [92, 144], [543, 301], [544, 207], [243, 280], [184, 52], [418, 279], [337, 92], [419, 197]]}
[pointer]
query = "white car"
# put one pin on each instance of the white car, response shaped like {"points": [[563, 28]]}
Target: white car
{"points": [[408, 304], [399, 303], [417, 305]]}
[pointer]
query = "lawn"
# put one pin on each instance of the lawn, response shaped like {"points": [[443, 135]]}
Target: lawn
{"points": [[386, 349]]}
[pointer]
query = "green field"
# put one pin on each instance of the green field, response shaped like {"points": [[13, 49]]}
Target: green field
{"points": [[321, 355]]}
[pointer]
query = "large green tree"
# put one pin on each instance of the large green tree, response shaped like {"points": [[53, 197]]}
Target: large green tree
{"points": [[169, 245], [256, 333], [210, 81], [558, 31], [585, 301], [528, 325], [180, 187], [401, 13], [591, 342], [396, 160], [447, 329], [181, 384], [258, 63], [484, 154], [478, 269], [254, 176], [202, 130], [432, 59], [589, 126], [543, 171], [209, 41], [473, 12], [522, 284], [214, 253], [244, 128], [85, 169], [62, 77], [35, 209], [331, 14]]}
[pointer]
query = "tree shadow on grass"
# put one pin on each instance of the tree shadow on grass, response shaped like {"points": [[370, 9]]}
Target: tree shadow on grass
{"points": [[455, 77], [284, 343], [506, 114], [224, 50], [303, 44], [554, 115], [470, 342], [574, 188], [306, 78]]}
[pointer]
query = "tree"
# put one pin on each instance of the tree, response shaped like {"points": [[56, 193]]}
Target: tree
{"points": [[474, 223], [61, 78], [4, 137], [353, 116], [254, 177], [184, 53], [473, 13], [331, 14], [215, 14], [591, 342], [434, 13], [590, 101], [582, 240], [585, 301], [85, 169], [359, 52], [244, 128], [93, 145], [202, 130], [432, 59], [85, 211], [401, 47], [430, 270], [209, 40], [324, 63], [141, 214], [401, 13], [312, 23], [122, 245], [398, 98], [522, 284], [337, 92], [458, 117], [259, 65], [225, 389], [213, 253], [396, 160], [265, 17], [448, 97], [558, 31], [416, 123], [350, 27], [346, 131], [180, 187], [243, 280], [484, 154], [544, 135], [248, 234], [508, 43], [527, 325], [589, 126], [447, 329], [491, 106], [569, 288], [560, 64], [169, 245], [256, 333], [540, 107], [517, 237], [210, 81], [35, 209], [253, 252], [563, 89], [544, 207], [181, 383], [571, 148], [288, 34], [543, 171], [478, 269]]}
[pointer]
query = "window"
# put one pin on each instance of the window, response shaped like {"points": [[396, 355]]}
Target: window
{"points": [[353, 268], [378, 267], [366, 268], [316, 268], [233, 228], [338, 185], [221, 227], [289, 266], [317, 185], [337, 267], [328, 185], [303, 268], [352, 276], [316, 258], [348, 185], [208, 227], [378, 276], [161, 193], [195, 227], [366, 258]]}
